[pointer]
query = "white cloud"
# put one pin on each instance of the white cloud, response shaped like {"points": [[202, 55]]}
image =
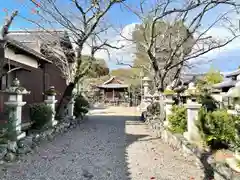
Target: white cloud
{"points": [[222, 33], [202, 63], [121, 39], [126, 54]]}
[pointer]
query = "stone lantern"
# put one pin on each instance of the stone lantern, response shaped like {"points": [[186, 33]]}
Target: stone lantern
{"points": [[70, 108], [146, 85], [14, 106], [51, 101], [168, 93], [191, 93], [193, 108]]}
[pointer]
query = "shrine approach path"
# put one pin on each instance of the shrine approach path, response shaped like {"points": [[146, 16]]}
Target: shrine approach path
{"points": [[111, 145]]}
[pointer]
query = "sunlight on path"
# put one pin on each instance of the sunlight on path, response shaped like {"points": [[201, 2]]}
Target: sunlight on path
{"points": [[149, 158]]}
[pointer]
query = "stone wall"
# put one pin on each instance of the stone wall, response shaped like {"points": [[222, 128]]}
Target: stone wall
{"points": [[11, 152], [204, 159]]}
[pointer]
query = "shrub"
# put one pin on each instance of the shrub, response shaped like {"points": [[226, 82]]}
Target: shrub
{"points": [[178, 119], [41, 115], [217, 128], [81, 106], [208, 102]]}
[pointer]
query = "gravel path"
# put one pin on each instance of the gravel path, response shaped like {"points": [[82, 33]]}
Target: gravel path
{"points": [[105, 147]]}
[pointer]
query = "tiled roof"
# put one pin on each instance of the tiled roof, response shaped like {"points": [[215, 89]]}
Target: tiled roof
{"points": [[34, 39], [26, 49], [113, 77], [113, 86], [227, 83]]}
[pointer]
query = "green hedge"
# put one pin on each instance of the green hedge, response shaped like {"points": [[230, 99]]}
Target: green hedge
{"points": [[208, 102], [218, 127], [178, 119], [81, 106], [41, 115]]}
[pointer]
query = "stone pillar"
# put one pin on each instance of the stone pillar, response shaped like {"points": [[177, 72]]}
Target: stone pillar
{"points": [[51, 101], [146, 81], [145, 89], [14, 106], [70, 108], [168, 108], [192, 133]]}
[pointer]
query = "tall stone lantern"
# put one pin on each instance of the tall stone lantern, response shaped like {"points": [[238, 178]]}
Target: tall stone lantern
{"points": [[14, 108], [191, 93], [168, 94], [193, 108], [51, 101], [146, 85]]}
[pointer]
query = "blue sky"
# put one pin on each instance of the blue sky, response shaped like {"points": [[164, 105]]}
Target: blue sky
{"points": [[224, 61]]}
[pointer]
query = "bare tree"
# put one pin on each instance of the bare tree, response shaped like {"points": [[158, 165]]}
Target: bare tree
{"points": [[164, 44], [84, 23], [3, 43]]}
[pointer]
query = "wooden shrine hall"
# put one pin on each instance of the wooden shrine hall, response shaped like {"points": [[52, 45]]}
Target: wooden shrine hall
{"points": [[115, 92]]}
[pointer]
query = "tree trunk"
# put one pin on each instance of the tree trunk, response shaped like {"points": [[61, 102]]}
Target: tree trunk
{"points": [[161, 87], [67, 95]]}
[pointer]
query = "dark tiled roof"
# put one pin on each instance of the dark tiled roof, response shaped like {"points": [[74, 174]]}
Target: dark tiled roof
{"points": [[27, 49], [32, 40], [36, 36]]}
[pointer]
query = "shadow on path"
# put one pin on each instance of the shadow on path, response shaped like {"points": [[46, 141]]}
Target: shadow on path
{"points": [[117, 141], [94, 150]]}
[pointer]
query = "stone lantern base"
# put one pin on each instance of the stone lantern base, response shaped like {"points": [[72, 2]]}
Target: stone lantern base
{"points": [[50, 101], [192, 133], [21, 136]]}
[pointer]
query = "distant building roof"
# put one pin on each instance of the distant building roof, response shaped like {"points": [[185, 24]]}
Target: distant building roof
{"points": [[187, 78], [234, 73], [227, 83], [113, 83], [113, 86], [111, 79]]}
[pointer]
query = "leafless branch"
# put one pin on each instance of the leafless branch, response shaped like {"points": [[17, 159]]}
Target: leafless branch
{"points": [[171, 56]]}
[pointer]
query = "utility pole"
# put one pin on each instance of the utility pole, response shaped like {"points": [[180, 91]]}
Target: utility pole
{"points": [[141, 78]]}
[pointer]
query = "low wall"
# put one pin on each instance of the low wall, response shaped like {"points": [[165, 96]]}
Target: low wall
{"points": [[11, 152], [213, 170]]}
